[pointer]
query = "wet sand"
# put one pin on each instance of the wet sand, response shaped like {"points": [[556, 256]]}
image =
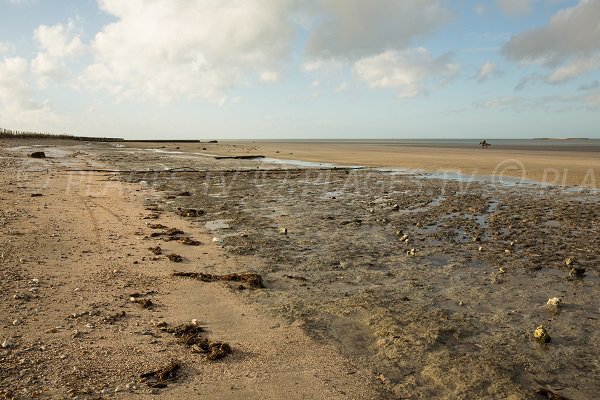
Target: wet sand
{"points": [[546, 165], [400, 284]]}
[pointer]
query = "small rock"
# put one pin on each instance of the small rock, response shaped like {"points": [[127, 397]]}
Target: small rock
{"points": [[17, 321], [38, 154], [541, 335], [577, 272], [569, 261], [554, 301], [283, 231], [8, 343]]}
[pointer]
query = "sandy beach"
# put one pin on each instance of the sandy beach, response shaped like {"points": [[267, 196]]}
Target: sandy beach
{"points": [[374, 283], [554, 166]]}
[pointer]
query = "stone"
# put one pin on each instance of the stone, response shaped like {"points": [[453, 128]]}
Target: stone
{"points": [[8, 343], [283, 231], [38, 154], [577, 272], [541, 335], [554, 301]]}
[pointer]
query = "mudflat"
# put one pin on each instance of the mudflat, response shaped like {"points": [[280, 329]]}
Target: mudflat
{"points": [[307, 280]]}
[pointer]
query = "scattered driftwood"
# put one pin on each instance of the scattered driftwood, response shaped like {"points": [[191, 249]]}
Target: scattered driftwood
{"points": [[249, 157], [252, 280], [160, 377]]}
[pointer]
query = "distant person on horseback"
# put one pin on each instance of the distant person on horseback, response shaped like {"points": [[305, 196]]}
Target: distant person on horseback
{"points": [[484, 144]]}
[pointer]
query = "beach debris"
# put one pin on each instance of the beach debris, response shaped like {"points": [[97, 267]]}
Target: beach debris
{"points": [[395, 207], [159, 378], [175, 258], [8, 343], [145, 303], [191, 335], [217, 240], [298, 278], [111, 319], [173, 232], [189, 212], [184, 194], [252, 280], [189, 241], [36, 195], [38, 154], [283, 231], [554, 301], [541, 335], [157, 226], [152, 216], [577, 272], [157, 251], [411, 252]]}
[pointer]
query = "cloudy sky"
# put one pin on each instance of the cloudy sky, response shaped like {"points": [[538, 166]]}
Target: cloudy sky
{"points": [[301, 68]]}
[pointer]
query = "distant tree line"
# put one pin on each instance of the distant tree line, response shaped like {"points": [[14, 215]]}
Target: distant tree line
{"points": [[7, 134]]}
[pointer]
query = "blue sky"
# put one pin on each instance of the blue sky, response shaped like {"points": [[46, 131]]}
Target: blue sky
{"points": [[245, 69]]}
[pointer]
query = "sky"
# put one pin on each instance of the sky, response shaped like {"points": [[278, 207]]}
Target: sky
{"points": [[291, 69]]}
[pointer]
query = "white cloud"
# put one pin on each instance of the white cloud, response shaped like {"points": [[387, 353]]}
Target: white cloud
{"points": [[515, 7], [57, 43], [479, 9], [569, 43], [485, 71], [269, 76], [17, 108], [408, 71], [166, 49], [352, 29], [342, 87], [5, 47], [575, 68]]}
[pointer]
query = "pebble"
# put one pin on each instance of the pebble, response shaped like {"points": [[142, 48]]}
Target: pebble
{"points": [[8, 343], [554, 301], [17, 321], [541, 334]]}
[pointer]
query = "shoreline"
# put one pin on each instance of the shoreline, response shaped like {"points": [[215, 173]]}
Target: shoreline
{"points": [[562, 168]]}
